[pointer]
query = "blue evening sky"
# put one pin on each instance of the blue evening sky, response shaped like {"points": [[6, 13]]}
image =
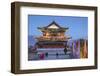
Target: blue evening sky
{"points": [[78, 26]]}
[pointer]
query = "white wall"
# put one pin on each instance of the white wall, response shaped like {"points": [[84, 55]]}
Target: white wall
{"points": [[5, 32]]}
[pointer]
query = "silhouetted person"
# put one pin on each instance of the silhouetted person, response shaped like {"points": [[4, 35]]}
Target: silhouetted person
{"points": [[56, 55], [46, 54], [65, 50]]}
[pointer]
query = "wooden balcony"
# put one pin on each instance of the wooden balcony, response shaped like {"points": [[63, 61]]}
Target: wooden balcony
{"points": [[58, 38]]}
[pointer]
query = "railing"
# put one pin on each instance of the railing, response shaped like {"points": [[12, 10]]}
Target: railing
{"points": [[52, 38]]}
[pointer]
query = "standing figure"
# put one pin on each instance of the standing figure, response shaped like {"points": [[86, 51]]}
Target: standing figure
{"points": [[56, 55], [65, 50], [46, 54]]}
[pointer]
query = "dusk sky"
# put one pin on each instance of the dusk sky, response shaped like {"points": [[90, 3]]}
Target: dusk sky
{"points": [[78, 26]]}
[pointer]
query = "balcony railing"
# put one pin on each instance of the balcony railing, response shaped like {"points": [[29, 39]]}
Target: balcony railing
{"points": [[43, 38]]}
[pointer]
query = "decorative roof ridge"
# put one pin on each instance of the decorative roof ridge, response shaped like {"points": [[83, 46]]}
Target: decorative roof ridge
{"points": [[53, 22]]}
